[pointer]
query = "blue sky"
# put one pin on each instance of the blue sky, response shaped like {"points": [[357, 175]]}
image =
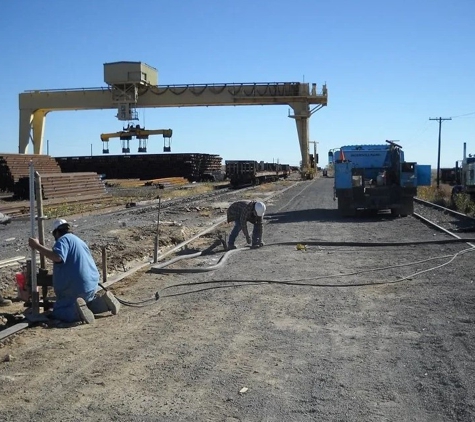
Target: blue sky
{"points": [[389, 67]]}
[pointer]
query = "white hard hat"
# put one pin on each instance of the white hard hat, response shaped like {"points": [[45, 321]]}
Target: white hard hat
{"points": [[58, 222], [260, 208]]}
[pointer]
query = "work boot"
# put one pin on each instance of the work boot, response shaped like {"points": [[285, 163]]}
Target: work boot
{"points": [[112, 303], [231, 247], [5, 302], [85, 314]]}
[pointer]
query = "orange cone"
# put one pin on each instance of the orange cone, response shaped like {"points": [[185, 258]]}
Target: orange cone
{"points": [[342, 155]]}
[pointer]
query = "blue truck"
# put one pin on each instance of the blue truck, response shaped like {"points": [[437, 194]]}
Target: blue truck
{"points": [[376, 177]]}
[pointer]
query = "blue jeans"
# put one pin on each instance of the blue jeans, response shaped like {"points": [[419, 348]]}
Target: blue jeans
{"points": [[65, 309], [256, 235]]}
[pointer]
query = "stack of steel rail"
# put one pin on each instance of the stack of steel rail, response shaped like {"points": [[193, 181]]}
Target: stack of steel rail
{"points": [[64, 185], [145, 167], [57, 187], [15, 166]]}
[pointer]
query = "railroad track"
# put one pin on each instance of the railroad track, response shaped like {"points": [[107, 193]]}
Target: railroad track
{"points": [[144, 208], [21, 209], [444, 218], [16, 209]]}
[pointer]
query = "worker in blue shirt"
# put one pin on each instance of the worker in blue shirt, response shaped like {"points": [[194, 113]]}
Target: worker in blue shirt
{"points": [[242, 212], [75, 277]]}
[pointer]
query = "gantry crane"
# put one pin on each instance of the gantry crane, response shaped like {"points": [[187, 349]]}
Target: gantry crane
{"points": [[133, 85]]}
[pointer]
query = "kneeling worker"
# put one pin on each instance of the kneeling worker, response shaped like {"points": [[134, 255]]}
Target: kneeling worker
{"points": [[242, 212], [75, 277]]}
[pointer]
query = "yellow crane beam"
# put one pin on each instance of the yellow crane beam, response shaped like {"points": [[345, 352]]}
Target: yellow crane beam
{"points": [[139, 133], [35, 105]]}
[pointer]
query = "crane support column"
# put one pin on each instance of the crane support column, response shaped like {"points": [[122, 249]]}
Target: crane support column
{"points": [[38, 125], [301, 116], [31, 121], [26, 120]]}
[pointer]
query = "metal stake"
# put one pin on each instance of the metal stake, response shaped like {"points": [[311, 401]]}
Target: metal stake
{"points": [[40, 217], [41, 230], [35, 305], [157, 235], [104, 265]]}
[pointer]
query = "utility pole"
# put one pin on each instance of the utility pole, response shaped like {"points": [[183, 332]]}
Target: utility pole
{"points": [[314, 152], [440, 120]]}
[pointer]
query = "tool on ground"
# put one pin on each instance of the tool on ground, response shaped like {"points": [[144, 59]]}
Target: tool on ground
{"points": [[104, 264], [157, 234], [222, 239]]}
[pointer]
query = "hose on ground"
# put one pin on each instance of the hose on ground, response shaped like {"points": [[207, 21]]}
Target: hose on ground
{"points": [[138, 304], [295, 282], [373, 244], [220, 263], [156, 297], [299, 282]]}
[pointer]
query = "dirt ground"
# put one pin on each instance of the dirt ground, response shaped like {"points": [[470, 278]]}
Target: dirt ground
{"points": [[248, 342]]}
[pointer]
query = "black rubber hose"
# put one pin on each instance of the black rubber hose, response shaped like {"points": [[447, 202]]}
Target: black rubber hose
{"points": [[139, 304], [297, 283], [223, 259], [372, 244], [161, 267]]}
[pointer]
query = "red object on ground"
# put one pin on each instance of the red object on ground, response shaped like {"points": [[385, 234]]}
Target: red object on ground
{"points": [[20, 280]]}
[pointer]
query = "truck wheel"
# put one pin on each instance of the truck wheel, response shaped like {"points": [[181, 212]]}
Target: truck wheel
{"points": [[407, 207], [349, 212], [345, 207]]}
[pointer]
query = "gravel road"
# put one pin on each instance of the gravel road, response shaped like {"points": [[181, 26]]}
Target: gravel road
{"points": [[250, 348]]}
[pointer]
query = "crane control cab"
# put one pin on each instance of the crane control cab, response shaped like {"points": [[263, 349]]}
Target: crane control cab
{"points": [[376, 177], [139, 133]]}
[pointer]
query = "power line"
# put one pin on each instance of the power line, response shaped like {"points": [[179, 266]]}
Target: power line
{"points": [[461, 115], [440, 119]]}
